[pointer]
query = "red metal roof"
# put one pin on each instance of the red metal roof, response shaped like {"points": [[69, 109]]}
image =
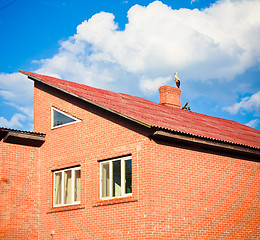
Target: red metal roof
{"points": [[153, 114]]}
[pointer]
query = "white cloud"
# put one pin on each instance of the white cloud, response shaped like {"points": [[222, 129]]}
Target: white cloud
{"points": [[27, 110], [15, 87], [219, 42], [17, 91], [148, 85], [8, 95], [15, 121], [248, 104], [253, 123]]}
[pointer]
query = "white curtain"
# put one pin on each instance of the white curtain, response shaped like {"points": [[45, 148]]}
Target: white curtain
{"points": [[77, 186], [105, 180], [67, 187], [57, 195]]}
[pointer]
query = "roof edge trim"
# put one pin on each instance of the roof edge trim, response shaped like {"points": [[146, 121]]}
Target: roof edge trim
{"points": [[203, 137], [207, 142], [22, 137]]}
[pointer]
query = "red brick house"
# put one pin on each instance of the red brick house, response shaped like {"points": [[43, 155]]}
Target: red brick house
{"points": [[106, 165]]}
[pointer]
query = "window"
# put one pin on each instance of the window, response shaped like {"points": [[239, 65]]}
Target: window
{"points": [[60, 118], [66, 189], [116, 178]]}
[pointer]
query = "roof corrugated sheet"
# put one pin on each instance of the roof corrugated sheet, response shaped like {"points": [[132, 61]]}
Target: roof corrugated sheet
{"points": [[160, 116], [3, 129], [22, 137]]}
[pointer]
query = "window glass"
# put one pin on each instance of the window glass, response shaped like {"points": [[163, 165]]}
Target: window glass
{"points": [[116, 178], [61, 119], [128, 176], [67, 186]]}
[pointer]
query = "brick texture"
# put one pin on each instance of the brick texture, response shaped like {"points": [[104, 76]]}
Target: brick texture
{"points": [[19, 191]]}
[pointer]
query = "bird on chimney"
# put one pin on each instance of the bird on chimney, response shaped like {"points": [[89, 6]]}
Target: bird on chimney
{"points": [[177, 80]]}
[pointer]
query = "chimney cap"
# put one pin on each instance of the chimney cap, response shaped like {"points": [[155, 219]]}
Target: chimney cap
{"points": [[170, 96]]}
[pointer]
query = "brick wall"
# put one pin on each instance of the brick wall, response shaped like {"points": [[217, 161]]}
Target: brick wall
{"points": [[19, 191], [202, 195]]}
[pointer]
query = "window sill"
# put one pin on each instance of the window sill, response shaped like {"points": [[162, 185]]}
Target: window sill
{"points": [[66, 208], [115, 201]]}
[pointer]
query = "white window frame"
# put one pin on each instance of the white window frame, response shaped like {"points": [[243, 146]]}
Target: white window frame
{"points": [[52, 118], [73, 169], [123, 193]]}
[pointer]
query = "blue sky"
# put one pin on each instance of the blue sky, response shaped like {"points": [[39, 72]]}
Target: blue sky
{"points": [[134, 47]]}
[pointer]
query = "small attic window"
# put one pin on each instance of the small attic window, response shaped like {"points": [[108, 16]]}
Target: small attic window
{"points": [[60, 119]]}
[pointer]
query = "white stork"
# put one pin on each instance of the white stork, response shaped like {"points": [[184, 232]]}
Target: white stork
{"points": [[177, 80]]}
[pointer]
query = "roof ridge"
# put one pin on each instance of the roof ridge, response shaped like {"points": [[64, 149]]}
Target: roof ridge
{"points": [[76, 83]]}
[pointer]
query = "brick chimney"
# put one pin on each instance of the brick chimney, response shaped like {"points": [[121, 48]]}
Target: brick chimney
{"points": [[170, 96]]}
